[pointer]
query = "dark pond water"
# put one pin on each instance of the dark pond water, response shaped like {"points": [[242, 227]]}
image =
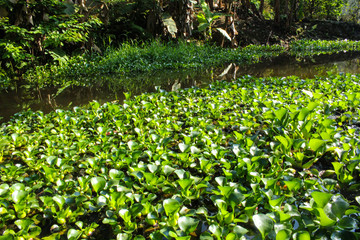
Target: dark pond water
{"points": [[111, 88]]}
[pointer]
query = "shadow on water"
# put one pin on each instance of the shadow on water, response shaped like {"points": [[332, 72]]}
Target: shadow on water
{"points": [[111, 88]]}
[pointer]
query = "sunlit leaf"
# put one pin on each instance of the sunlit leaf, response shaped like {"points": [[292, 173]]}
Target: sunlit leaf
{"points": [[73, 234], [187, 224], [19, 195], [171, 206], [283, 234], [263, 223], [98, 183], [321, 198], [302, 235], [315, 144]]}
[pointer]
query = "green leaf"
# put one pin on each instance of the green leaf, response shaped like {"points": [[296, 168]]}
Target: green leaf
{"points": [[4, 188], [132, 145], [235, 198], [171, 206], [183, 238], [283, 234], [357, 198], [315, 144], [206, 236], [304, 112], [293, 185], [98, 183], [348, 223], [283, 141], [339, 206], [136, 208], [185, 183], [325, 221], [231, 236], [263, 223], [309, 93], [73, 234], [19, 195], [312, 105], [302, 235], [187, 224], [168, 170], [123, 236], [341, 235], [194, 150], [152, 168], [226, 191], [116, 174], [276, 201], [51, 160], [60, 200], [183, 147], [240, 231], [280, 113], [125, 215], [220, 180], [321, 198], [24, 224], [215, 230]]}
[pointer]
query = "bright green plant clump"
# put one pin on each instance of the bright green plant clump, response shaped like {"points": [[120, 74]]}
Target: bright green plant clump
{"points": [[303, 48], [273, 158]]}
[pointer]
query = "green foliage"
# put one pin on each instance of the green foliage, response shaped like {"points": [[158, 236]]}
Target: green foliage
{"points": [[271, 158], [206, 19], [131, 59], [308, 47], [40, 32], [351, 11], [322, 9]]}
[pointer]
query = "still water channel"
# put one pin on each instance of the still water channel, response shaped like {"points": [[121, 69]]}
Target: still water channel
{"points": [[111, 88]]}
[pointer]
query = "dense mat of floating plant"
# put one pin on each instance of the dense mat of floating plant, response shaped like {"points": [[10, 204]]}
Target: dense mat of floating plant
{"points": [[274, 158]]}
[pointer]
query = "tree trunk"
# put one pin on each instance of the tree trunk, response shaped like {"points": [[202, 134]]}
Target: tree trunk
{"points": [[184, 20], [287, 13], [211, 4], [277, 11], [261, 8], [292, 14]]}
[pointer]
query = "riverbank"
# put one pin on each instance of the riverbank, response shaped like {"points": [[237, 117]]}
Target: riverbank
{"points": [[131, 59]]}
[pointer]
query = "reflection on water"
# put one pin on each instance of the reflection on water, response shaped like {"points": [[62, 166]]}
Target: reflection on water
{"points": [[111, 88]]}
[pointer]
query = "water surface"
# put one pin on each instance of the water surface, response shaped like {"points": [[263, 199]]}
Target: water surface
{"points": [[111, 88]]}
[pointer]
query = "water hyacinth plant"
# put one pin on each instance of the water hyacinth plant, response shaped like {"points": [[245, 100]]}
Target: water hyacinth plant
{"points": [[258, 158]]}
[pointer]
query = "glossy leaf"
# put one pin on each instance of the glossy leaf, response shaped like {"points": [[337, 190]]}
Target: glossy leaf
{"points": [[98, 183], [171, 206], [187, 224], [315, 144], [263, 223], [321, 198]]}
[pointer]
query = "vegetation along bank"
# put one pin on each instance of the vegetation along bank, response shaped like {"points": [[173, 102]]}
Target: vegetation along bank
{"points": [[38, 36]]}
